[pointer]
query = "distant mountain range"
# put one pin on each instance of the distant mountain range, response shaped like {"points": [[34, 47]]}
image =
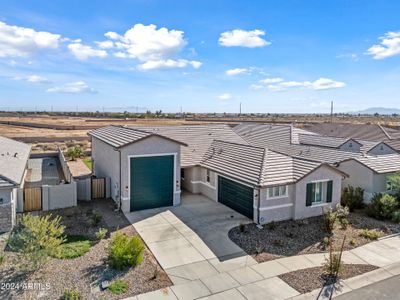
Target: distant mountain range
{"points": [[379, 110]]}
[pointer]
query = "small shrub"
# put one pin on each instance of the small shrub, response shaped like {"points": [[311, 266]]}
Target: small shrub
{"points": [[101, 233], [396, 216], [71, 294], [96, 218], [36, 238], [2, 258], [259, 249], [271, 225], [118, 287], [325, 243], [125, 252], [74, 246], [74, 152], [382, 207], [353, 242], [241, 227], [329, 220], [352, 198], [342, 213], [369, 234]]}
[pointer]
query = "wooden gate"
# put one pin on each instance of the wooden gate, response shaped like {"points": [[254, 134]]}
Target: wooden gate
{"points": [[98, 188], [32, 199]]}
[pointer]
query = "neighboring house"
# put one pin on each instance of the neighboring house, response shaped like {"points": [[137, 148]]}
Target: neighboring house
{"points": [[149, 165], [368, 163], [368, 132], [13, 161]]}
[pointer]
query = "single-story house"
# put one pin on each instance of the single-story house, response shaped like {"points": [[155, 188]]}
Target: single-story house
{"points": [[368, 163], [149, 166], [13, 161]]}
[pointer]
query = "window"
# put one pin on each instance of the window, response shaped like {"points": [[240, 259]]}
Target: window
{"points": [[351, 145], [389, 186], [182, 173], [208, 176], [277, 192], [1, 201], [319, 192]]}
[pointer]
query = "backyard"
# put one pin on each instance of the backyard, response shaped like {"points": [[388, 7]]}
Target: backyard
{"points": [[85, 261]]}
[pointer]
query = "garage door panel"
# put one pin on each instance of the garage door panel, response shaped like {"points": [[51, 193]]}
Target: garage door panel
{"points": [[236, 196], [152, 182]]}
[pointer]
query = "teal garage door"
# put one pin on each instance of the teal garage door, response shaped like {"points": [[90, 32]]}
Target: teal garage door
{"points": [[152, 182], [237, 196]]}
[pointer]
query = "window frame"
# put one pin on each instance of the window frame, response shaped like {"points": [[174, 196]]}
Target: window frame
{"points": [[208, 176], [324, 192], [278, 188]]}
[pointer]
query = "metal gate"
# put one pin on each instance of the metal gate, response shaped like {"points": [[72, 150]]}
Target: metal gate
{"points": [[98, 188], [32, 199]]}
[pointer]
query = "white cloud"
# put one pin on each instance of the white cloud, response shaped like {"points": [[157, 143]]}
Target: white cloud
{"points": [[225, 97], [78, 87], [242, 38], [83, 52], [105, 44], [352, 56], [237, 71], [33, 79], [278, 84], [156, 48], [168, 64], [271, 80], [18, 41], [389, 46], [256, 87]]}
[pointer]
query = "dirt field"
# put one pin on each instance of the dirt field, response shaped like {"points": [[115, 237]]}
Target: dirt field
{"points": [[45, 133]]}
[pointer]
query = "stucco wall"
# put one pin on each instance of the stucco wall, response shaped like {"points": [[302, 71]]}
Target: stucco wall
{"points": [[359, 175], [7, 209], [106, 164], [302, 211], [381, 149], [346, 146], [196, 182], [277, 209], [59, 196]]}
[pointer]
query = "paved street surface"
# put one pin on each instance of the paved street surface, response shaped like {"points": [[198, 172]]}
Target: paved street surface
{"points": [[388, 289]]}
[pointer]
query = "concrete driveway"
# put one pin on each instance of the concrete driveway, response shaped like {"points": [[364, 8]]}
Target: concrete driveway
{"points": [[191, 241]]}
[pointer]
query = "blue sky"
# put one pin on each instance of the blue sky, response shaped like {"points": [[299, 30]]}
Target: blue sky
{"points": [[203, 56]]}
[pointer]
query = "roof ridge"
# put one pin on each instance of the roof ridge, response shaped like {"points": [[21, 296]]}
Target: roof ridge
{"points": [[239, 144], [385, 132]]}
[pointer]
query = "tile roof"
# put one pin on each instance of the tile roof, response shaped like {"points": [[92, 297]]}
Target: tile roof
{"points": [[197, 137], [254, 165], [368, 132], [381, 164], [265, 135], [13, 159]]}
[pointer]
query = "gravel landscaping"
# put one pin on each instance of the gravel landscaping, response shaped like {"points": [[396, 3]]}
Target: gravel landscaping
{"points": [[85, 273], [288, 238], [306, 280]]}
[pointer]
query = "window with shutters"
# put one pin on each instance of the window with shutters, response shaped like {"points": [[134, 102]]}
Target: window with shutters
{"points": [[319, 192]]}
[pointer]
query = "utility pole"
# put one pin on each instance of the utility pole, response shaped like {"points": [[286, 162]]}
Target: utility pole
{"points": [[240, 109], [331, 111]]}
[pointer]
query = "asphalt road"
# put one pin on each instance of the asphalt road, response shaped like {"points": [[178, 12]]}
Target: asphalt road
{"points": [[388, 289]]}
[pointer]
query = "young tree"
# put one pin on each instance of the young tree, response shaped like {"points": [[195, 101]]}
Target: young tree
{"points": [[74, 153]]}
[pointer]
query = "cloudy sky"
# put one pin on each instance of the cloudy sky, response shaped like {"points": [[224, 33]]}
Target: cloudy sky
{"points": [[203, 56]]}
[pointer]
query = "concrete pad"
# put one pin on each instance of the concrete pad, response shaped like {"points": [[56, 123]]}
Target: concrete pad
{"points": [[393, 269], [233, 263], [271, 289], [232, 294], [335, 290], [201, 246], [393, 242], [163, 294], [193, 290], [193, 271], [350, 258], [293, 263], [370, 257], [176, 280], [176, 252], [367, 278], [317, 259], [158, 233], [270, 269], [390, 253], [245, 275], [220, 283]]}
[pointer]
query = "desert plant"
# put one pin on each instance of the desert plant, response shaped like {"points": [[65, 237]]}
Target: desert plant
{"points": [[118, 287], [353, 242], [74, 152], [334, 265], [394, 184], [37, 237], [369, 234], [125, 251], [396, 216], [259, 249], [342, 213], [352, 197], [71, 294], [73, 247], [241, 227], [2, 258], [101, 233], [329, 219], [382, 206], [96, 218]]}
